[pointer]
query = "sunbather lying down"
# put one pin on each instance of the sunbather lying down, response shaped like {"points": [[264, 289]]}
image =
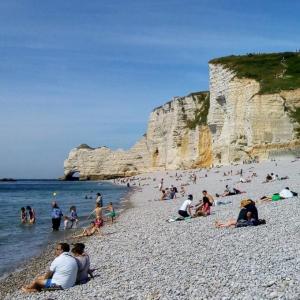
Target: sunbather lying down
{"points": [[92, 229], [230, 191], [248, 216], [284, 194]]}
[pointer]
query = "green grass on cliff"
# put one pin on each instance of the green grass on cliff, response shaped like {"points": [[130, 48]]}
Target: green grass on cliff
{"points": [[274, 71], [200, 113]]}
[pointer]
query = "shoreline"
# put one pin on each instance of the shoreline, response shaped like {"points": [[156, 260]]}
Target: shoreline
{"points": [[13, 280], [143, 257]]}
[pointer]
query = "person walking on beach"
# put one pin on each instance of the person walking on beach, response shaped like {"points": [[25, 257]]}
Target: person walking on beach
{"points": [[62, 273], [56, 215], [31, 214], [23, 215]]}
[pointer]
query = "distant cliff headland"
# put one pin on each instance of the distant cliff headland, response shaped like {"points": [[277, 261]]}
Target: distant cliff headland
{"points": [[251, 111]]}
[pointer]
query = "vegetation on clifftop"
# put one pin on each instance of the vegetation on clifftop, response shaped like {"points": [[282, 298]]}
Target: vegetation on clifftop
{"points": [[274, 71], [201, 113]]}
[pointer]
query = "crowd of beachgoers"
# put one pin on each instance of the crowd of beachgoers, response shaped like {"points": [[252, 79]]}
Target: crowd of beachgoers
{"points": [[171, 243]]}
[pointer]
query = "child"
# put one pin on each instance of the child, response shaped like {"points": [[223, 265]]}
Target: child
{"points": [[73, 217], [112, 213], [66, 222]]}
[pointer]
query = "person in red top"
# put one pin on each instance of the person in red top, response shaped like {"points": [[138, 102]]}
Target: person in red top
{"points": [[203, 209]]}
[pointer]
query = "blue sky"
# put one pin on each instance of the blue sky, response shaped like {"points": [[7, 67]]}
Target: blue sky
{"points": [[75, 72]]}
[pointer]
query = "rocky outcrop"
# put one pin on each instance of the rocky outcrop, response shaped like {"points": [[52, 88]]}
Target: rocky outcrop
{"points": [[246, 124], [240, 119], [177, 137]]}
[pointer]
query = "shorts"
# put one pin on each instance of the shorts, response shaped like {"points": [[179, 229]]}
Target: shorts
{"points": [[111, 214], [48, 283], [51, 285], [183, 213]]}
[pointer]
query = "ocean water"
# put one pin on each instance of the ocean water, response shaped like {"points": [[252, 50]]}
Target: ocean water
{"points": [[19, 242]]}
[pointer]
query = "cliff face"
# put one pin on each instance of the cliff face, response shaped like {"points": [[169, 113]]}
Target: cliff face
{"points": [[246, 124], [177, 137], [242, 118]]}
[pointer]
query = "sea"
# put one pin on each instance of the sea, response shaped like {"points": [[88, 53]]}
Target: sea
{"points": [[19, 242]]}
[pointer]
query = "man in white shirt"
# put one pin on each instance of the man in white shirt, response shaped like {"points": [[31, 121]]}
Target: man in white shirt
{"points": [[286, 193], [185, 208], [62, 273]]}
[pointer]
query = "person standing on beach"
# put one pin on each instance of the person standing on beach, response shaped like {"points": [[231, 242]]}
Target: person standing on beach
{"points": [[56, 215], [62, 273], [97, 211], [111, 212]]}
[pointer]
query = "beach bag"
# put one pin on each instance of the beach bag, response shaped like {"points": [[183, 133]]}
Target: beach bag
{"points": [[276, 197]]}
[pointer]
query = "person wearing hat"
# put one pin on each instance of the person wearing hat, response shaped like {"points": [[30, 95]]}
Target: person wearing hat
{"points": [[248, 216], [185, 208]]}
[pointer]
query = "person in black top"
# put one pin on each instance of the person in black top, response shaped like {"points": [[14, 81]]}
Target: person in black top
{"points": [[248, 216]]}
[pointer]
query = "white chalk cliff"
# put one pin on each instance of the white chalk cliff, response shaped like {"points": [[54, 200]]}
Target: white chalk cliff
{"points": [[232, 123], [246, 124]]}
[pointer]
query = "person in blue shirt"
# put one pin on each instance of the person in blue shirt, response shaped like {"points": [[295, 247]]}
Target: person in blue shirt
{"points": [[56, 215]]}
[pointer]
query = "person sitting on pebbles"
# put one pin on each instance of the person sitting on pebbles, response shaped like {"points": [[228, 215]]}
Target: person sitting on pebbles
{"points": [[185, 209], [248, 216], [203, 210], [83, 261], [164, 195], [92, 229], [61, 275], [230, 191]]}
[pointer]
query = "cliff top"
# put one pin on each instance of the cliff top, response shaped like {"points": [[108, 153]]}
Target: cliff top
{"points": [[274, 71], [178, 98]]}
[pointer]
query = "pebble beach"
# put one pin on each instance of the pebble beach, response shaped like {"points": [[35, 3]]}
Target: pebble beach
{"points": [[142, 256]]}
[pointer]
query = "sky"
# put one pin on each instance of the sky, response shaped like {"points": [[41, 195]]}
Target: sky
{"points": [[74, 72]]}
